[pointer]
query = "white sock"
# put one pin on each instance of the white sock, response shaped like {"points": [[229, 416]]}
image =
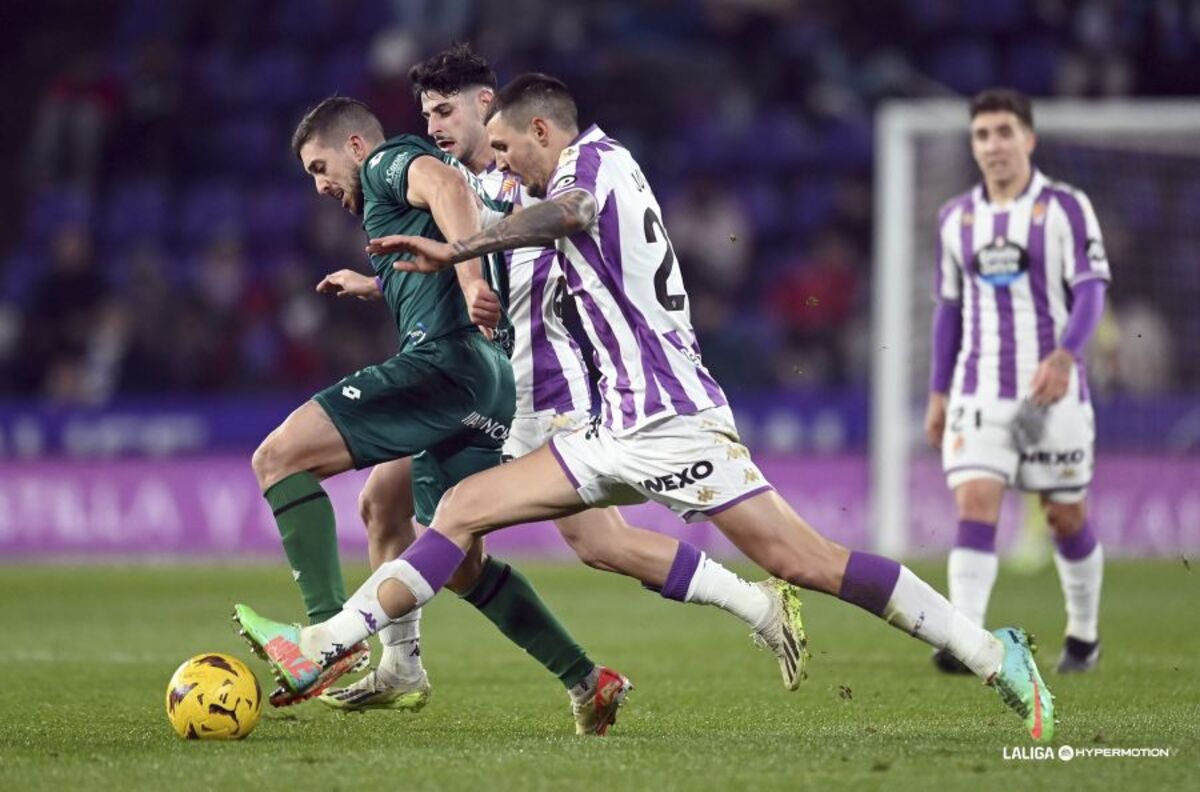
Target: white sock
{"points": [[923, 613], [1081, 582], [971, 575], [713, 584], [583, 690], [320, 641], [401, 640]]}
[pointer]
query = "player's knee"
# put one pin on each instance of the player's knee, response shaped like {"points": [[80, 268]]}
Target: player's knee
{"points": [[1065, 519], [978, 503], [597, 555], [459, 512], [269, 460], [374, 511]]}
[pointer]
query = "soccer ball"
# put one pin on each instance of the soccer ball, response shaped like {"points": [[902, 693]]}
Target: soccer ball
{"points": [[213, 697]]}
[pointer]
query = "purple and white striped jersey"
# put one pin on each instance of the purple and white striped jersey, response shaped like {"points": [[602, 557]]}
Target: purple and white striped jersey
{"points": [[622, 269], [547, 366], [1013, 269]]}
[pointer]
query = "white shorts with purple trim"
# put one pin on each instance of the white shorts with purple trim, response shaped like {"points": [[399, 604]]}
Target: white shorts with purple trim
{"points": [[528, 433], [695, 465], [980, 442]]}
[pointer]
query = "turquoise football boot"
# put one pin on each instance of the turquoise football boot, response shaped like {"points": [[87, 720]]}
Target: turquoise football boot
{"points": [[1020, 684]]}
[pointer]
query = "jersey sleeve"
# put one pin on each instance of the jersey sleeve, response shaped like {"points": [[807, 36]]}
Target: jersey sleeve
{"points": [[386, 175], [947, 274], [1082, 244]]}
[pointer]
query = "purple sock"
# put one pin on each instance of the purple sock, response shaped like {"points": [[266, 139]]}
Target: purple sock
{"points": [[1077, 546], [434, 557], [974, 535], [683, 568], [868, 581]]}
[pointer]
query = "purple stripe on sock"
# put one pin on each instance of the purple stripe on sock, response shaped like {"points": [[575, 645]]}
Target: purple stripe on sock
{"points": [[683, 569], [434, 557], [974, 535], [1078, 546], [869, 581]]}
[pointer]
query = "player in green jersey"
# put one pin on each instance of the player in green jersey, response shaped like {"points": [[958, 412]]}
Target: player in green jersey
{"points": [[445, 399]]}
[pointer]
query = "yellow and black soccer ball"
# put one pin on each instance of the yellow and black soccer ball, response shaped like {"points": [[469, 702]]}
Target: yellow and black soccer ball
{"points": [[213, 697]]}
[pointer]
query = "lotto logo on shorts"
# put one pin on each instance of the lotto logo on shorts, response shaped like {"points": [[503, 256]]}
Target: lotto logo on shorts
{"points": [[673, 481], [351, 392]]}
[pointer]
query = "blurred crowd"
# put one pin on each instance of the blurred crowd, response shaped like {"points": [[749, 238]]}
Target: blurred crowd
{"points": [[169, 241]]}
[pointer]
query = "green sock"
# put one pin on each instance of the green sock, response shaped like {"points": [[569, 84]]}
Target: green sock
{"points": [[510, 602], [305, 520]]}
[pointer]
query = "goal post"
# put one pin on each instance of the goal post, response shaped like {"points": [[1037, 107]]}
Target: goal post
{"points": [[922, 158]]}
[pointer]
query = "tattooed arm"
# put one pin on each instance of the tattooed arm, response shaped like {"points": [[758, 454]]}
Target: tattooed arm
{"points": [[535, 226]]}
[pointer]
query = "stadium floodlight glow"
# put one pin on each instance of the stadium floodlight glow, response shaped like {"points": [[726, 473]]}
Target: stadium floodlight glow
{"points": [[922, 159]]}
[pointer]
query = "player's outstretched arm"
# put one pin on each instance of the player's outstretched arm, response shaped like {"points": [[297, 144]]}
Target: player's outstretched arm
{"points": [[535, 226], [455, 208], [348, 283]]}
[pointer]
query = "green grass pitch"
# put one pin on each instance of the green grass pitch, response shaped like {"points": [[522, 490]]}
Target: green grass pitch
{"points": [[87, 652]]}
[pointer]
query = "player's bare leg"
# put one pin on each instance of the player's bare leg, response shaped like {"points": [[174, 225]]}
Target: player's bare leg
{"points": [[386, 508], [766, 529], [679, 571], [972, 565], [1079, 558]]}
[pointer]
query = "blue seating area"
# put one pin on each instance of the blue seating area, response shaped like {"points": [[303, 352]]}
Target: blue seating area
{"points": [[165, 167]]}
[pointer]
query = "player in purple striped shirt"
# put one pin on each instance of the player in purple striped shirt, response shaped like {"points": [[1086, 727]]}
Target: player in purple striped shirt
{"points": [[1020, 279], [666, 435]]}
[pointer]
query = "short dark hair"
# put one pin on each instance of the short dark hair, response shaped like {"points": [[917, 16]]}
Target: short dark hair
{"points": [[337, 113], [535, 94], [450, 71], [999, 100]]}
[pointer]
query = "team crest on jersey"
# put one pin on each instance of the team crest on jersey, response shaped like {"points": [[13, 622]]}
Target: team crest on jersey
{"points": [[1001, 262], [569, 155], [1039, 213]]}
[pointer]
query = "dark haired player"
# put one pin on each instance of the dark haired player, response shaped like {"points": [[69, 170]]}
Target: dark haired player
{"points": [[1020, 280]]}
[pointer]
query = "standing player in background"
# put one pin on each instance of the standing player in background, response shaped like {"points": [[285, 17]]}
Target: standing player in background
{"points": [[666, 433], [455, 88], [445, 399], [1021, 276]]}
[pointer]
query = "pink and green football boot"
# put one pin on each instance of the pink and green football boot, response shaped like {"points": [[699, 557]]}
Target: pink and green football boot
{"points": [[1020, 684], [301, 677]]}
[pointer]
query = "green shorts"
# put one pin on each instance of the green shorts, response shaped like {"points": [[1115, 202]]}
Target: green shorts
{"points": [[447, 403]]}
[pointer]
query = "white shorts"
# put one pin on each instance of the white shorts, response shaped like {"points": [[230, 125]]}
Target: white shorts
{"points": [[979, 443], [528, 433], [693, 464]]}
